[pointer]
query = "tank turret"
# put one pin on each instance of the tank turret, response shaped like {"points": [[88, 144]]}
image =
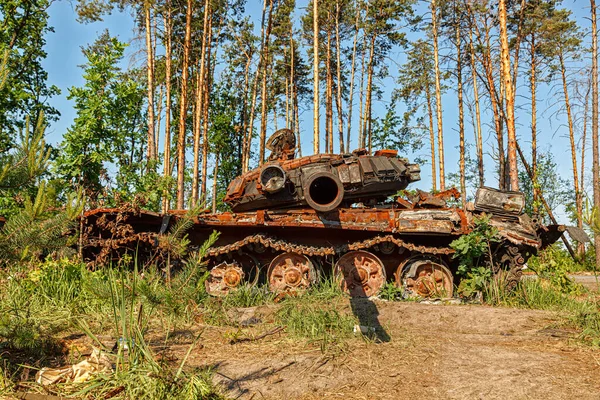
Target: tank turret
{"points": [[322, 181]]}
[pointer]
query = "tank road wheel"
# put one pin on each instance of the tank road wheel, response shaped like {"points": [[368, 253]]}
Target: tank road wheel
{"points": [[231, 274], [290, 272], [423, 277], [361, 273]]}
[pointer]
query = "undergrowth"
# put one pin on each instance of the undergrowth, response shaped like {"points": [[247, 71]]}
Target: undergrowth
{"points": [[582, 311], [315, 317], [40, 304]]}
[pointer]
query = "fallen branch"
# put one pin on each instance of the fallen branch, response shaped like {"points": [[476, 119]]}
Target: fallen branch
{"points": [[255, 338]]}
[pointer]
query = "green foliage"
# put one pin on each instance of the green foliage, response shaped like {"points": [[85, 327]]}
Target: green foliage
{"points": [[34, 232], [555, 189], [137, 370], [394, 132], [22, 167], [25, 92], [554, 264], [473, 252], [108, 127], [475, 281], [391, 292]]}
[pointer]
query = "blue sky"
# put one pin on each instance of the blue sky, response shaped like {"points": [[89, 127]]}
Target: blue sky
{"points": [[64, 57]]}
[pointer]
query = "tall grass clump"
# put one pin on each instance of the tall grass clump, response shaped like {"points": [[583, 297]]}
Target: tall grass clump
{"points": [[316, 315], [137, 372]]}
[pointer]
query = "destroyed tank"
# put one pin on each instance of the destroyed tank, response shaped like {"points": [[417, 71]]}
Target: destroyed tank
{"points": [[294, 220]]}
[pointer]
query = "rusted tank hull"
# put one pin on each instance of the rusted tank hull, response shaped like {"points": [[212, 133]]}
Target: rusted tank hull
{"points": [[288, 249]]}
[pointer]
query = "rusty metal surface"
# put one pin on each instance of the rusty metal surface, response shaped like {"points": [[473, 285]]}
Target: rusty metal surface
{"points": [[282, 145], [361, 273], [420, 276], [292, 215], [223, 278], [320, 181], [283, 245], [290, 271]]}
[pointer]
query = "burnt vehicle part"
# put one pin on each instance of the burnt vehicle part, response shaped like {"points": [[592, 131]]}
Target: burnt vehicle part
{"points": [[293, 219], [322, 182], [365, 246]]}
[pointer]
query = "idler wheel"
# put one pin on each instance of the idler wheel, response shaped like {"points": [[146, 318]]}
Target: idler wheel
{"points": [[290, 272], [361, 273], [323, 191], [424, 278], [229, 275]]}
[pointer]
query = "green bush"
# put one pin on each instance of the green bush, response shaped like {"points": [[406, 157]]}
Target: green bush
{"points": [[554, 264], [473, 252]]}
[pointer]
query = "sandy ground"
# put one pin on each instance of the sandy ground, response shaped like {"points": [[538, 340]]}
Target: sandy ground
{"points": [[428, 351]]}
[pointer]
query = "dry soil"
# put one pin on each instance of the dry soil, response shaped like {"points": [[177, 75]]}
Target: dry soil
{"points": [[432, 351]]}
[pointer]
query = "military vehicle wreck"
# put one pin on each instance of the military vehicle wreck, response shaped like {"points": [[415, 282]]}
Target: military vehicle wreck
{"points": [[294, 219]]}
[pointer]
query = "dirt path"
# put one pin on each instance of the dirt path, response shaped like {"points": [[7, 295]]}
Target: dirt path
{"points": [[435, 351]]}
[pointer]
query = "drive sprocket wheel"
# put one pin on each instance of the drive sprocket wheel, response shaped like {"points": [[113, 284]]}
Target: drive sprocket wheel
{"points": [[361, 273], [290, 272], [229, 275]]}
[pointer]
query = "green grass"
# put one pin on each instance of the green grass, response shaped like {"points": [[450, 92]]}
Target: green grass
{"points": [[39, 305], [318, 315]]}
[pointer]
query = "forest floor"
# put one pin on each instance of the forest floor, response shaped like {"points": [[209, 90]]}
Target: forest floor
{"points": [[418, 351]]}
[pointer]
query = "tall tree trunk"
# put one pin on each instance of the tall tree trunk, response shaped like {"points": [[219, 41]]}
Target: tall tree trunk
{"points": [[478, 134], [214, 186], [583, 147], [264, 95], [576, 183], [167, 152], [294, 94], [352, 73], [517, 45], [509, 98], [431, 138], [207, 85], [316, 76], [438, 94], [151, 149], [369, 95], [329, 96], [159, 104], [244, 112], [495, 99], [288, 123], [183, 107], [461, 114], [199, 104], [249, 134], [338, 97], [595, 161], [361, 95], [533, 85], [297, 122]]}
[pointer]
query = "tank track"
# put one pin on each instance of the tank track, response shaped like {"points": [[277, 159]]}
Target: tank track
{"points": [[282, 245]]}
